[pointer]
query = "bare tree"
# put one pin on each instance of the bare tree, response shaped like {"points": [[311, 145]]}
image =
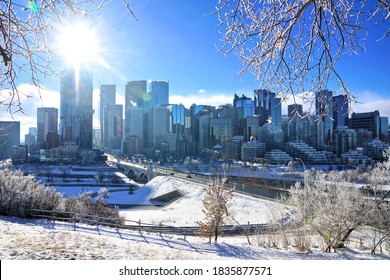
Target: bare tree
{"points": [[215, 209], [332, 207], [293, 46], [26, 31]]}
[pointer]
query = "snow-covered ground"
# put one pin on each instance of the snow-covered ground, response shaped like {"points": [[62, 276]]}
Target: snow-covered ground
{"points": [[39, 239], [36, 239], [187, 210]]}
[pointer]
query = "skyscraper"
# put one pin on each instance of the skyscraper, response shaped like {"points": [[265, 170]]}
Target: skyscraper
{"points": [[107, 97], [9, 137], [76, 107], [324, 111], [268, 107], [113, 129], [134, 130], [134, 122], [245, 106], [47, 121], [135, 94], [176, 119], [157, 125], [158, 92], [340, 108], [295, 110]]}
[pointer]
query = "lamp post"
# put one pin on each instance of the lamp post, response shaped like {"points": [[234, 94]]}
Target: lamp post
{"points": [[304, 168]]}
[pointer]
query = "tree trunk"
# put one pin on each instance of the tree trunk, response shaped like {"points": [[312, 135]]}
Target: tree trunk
{"points": [[341, 241]]}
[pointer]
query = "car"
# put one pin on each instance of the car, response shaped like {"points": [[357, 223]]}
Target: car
{"points": [[189, 176], [171, 173]]}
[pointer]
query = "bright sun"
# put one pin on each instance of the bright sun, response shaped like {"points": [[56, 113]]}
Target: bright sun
{"points": [[78, 44]]}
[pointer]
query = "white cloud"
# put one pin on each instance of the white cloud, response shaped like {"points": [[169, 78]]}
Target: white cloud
{"points": [[202, 98], [383, 106], [31, 98]]}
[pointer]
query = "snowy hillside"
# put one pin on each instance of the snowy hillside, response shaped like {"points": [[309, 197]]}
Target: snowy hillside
{"points": [[187, 210], [39, 239], [34, 239]]}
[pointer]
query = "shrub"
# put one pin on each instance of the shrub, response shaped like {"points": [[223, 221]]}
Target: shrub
{"points": [[19, 194]]}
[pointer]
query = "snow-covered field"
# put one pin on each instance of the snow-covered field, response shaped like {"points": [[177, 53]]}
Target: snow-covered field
{"points": [[40, 239]]}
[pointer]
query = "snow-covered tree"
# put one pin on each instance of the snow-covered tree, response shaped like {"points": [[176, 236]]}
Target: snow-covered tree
{"points": [[26, 41], [103, 194], [19, 194], [293, 46], [215, 209], [330, 206]]}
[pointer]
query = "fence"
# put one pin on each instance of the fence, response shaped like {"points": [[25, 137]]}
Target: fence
{"points": [[74, 218]]}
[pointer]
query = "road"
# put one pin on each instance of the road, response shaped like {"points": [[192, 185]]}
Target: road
{"points": [[258, 191]]}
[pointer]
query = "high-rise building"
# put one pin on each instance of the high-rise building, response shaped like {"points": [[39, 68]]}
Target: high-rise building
{"points": [[33, 131], [158, 92], [268, 107], [295, 110], [220, 130], [107, 97], [340, 108], [251, 128], [384, 129], [76, 107], [47, 121], [134, 125], [29, 139], [113, 126], [136, 95], [345, 140], [157, 124], [176, 115], [324, 111], [272, 136], [9, 137], [367, 120], [204, 131], [134, 130], [243, 107]]}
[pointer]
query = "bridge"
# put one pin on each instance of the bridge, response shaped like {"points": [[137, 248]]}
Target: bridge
{"points": [[138, 172]]}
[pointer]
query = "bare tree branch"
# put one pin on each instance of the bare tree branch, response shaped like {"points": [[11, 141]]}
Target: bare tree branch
{"points": [[293, 46], [25, 36]]}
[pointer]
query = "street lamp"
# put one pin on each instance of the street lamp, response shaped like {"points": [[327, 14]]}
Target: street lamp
{"points": [[304, 169]]}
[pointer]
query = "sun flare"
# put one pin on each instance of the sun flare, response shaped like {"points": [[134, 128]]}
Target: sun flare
{"points": [[78, 44]]}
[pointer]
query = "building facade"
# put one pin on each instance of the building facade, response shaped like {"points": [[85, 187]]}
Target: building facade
{"points": [[47, 121], [113, 126], [268, 107], [76, 110], [107, 97], [9, 137]]}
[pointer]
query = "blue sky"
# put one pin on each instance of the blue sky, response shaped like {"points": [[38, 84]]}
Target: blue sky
{"points": [[177, 40]]}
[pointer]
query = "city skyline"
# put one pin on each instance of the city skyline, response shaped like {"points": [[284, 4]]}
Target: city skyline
{"points": [[24, 127], [177, 41]]}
